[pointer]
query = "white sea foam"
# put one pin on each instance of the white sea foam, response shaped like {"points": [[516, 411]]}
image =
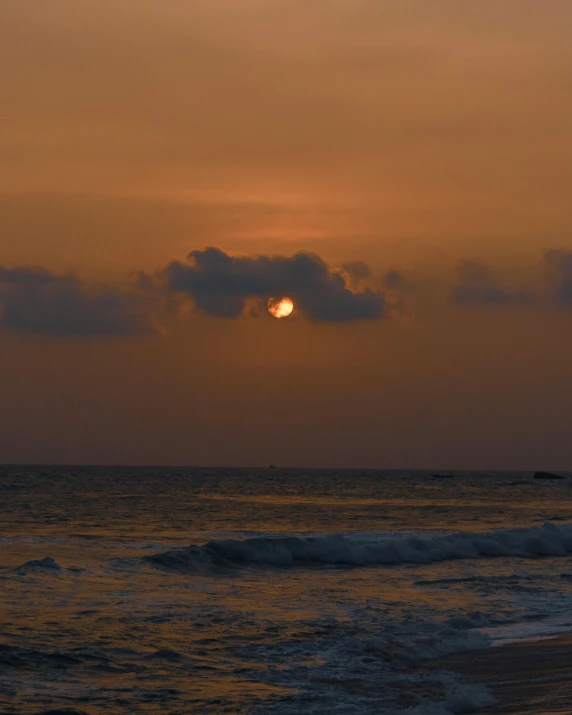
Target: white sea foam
{"points": [[378, 550], [465, 698], [459, 698], [380, 670]]}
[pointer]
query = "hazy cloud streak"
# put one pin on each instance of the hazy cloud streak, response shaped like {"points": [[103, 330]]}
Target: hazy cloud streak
{"points": [[559, 265], [478, 286]]}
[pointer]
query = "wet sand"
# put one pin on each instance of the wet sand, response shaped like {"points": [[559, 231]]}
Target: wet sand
{"points": [[527, 677]]}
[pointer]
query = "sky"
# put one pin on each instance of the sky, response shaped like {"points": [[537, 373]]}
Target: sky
{"points": [[402, 169]]}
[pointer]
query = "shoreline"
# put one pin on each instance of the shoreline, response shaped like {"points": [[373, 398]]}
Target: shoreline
{"points": [[530, 677]]}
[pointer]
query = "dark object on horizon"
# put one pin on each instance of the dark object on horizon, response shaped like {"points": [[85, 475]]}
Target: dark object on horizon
{"points": [[272, 466], [449, 475], [547, 475]]}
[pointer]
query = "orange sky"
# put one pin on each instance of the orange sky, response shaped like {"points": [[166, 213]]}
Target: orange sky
{"points": [[409, 134]]}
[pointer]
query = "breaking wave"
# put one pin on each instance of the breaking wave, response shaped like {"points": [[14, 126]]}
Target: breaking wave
{"points": [[371, 550], [46, 565]]}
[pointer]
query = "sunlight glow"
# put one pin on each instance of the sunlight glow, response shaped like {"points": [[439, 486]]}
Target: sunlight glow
{"points": [[280, 307]]}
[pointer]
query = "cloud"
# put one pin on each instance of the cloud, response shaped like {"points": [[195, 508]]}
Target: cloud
{"points": [[394, 280], [477, 285], [220, 285], [35, 301], [559, 264], [357, 271]]}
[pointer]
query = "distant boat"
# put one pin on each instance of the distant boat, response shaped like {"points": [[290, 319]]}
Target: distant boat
{"points": [[449, 475], [272, 466]]}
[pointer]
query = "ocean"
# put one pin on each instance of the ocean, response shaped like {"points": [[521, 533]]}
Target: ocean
{"points": [[279, 591]]}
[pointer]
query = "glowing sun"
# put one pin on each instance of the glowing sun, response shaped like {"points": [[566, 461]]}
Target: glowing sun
{"points": [[280, 307]]}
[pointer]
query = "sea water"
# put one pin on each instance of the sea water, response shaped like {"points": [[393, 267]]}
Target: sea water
{"points": [[195, 590]]}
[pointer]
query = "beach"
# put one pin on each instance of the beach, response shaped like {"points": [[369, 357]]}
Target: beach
{"points": [[532, 677]]}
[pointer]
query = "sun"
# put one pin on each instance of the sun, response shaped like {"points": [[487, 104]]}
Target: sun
{"points": [[280, 307]]}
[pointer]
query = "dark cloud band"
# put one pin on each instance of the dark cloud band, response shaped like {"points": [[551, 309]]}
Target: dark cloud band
{"points": [[35, 301]]}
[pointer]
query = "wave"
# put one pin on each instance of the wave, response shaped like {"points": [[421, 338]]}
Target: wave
{"points": [[45, 565], [371, 550]]}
